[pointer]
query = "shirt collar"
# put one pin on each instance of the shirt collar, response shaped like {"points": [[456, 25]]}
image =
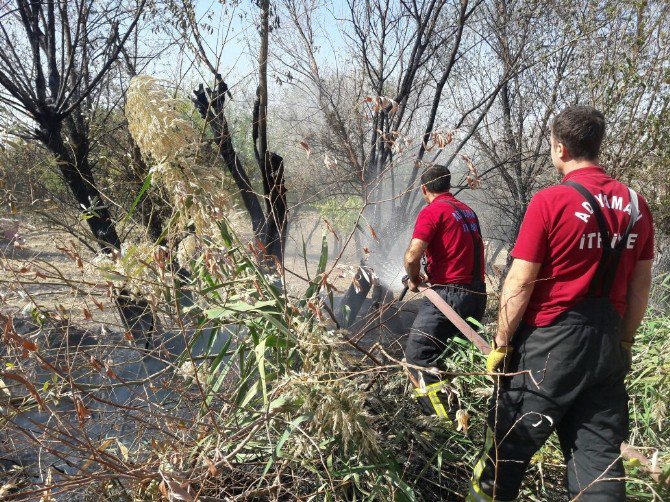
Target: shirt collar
{"points": [[582, 171], [443, 196]]}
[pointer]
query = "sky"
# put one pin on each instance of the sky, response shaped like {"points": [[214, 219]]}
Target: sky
{"points": [[235, 30]]}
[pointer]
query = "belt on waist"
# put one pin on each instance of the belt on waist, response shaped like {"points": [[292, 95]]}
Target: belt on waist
{"points": [[454, 285]]}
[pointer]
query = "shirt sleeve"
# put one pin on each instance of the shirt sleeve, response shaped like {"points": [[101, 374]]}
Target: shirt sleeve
{"points": [[425, 226], [648, 249], [531, 243]]}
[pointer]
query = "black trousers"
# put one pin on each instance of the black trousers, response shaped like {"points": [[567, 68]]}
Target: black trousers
{"points": [[431, 330], [574, 386]]}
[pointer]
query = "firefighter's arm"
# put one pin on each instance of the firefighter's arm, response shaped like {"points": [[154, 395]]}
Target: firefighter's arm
{"points": [[514, 299], [513, 302], [412, 262], [636, 300]]}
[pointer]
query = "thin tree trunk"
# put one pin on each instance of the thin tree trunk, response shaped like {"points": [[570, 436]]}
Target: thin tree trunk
{"points": [[270, 164]]}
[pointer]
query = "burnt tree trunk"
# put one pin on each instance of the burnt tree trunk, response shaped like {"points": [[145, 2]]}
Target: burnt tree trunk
{"points": [[210, 104], [268, 220], [276, 220], [270, 164], [268, 217], [73, 164], [72, 161]]}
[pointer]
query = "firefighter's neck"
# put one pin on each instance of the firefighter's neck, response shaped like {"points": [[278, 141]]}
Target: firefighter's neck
{"points": [[429, 196], [575, 164]]}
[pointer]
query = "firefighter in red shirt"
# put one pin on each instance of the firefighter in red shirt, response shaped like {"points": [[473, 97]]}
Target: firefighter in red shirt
{"points": [[571, 303], [447, 233]]}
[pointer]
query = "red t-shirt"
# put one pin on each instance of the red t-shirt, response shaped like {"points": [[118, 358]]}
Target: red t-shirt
{"points": [[450, 251], [559, 232]]}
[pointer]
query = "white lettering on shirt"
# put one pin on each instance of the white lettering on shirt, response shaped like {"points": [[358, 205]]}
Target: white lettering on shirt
{"points": [[591, 236], [615, 203], [602, 200], [594, 240], [583, 216]]}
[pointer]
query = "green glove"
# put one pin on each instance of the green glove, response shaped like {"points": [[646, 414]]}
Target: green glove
{"points": [[496, 360], [628, 354]]}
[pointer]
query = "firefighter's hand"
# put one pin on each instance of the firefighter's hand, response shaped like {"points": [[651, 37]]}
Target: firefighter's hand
{"points": [[628, 354], [498, 358], [413, 285]]}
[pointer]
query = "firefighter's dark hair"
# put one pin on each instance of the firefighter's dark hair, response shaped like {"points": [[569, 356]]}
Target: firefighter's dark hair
{"points": [[437, 179], [581, 129]]}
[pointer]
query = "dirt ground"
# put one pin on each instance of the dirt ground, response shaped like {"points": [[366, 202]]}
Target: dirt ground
{"points": [[50, 270], [47, 272]]}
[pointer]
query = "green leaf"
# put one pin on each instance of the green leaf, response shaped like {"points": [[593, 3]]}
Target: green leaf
{"points": [[287, 433], [113, 276], [251, 393], [320, 269], [240, 308], [145, 187], [474, 321]]}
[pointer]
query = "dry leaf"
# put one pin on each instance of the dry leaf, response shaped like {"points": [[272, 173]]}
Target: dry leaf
{"points": [[10, 334], [177, 490], [6, 489], [373, 233], [382, 103], [72, 253], [329, 163], [87, 314], [306, 147], [46, 496], [472, 178], [103, 446], [83, 412], [122, 449], [472, 182], [439, 139], [98, 304], [96, 364], [463, 421], [315, 310], [31, 388], [163, 489], [211, 468], [4, 391]]}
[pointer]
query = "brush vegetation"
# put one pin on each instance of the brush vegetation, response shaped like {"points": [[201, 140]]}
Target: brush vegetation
{"points": [[285, 407]]}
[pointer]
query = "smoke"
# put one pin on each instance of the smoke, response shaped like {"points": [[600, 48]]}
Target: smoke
{"points": [[386, 258]]}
